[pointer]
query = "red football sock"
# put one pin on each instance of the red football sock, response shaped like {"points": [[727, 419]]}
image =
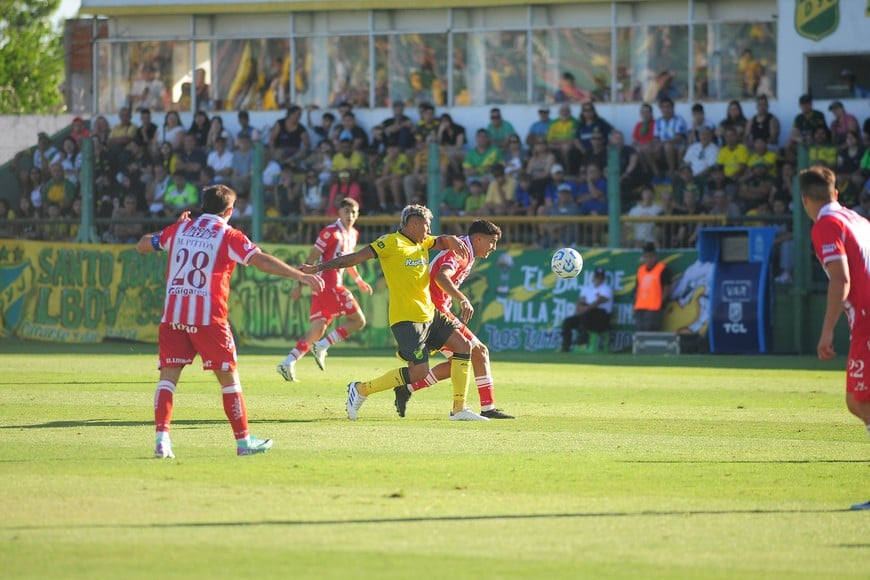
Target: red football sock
{"points": [[163, 405], [484, 389], [336, 335], [234, 407], [427, 381], [300, 349]]}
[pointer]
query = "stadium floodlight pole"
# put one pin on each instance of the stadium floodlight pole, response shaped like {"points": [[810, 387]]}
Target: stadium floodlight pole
{"points": [[614, 200], [433, 185], [87, 232], [800, 228], [257, 192]]}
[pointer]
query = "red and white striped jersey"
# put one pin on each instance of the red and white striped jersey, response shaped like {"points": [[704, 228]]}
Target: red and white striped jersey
{"points": [[840, 233], [461, 269], [333, 241], [202, 256]]}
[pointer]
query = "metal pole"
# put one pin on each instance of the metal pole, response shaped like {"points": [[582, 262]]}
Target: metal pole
{"points": [[614, 198], [433, 186], [87, 232], [800, 231], [257, 193]]}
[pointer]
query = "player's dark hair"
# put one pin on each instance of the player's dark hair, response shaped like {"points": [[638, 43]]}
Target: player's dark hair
{"points": [[818, 183], [217, 198], [349, 202], [484, 227]]}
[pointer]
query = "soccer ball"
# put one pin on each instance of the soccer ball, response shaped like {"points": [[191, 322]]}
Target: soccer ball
{"points": [[566, 263]]}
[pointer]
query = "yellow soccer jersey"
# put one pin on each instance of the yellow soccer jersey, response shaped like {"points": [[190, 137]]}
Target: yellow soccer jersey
{"points": [[406, 269], [731, 160]]}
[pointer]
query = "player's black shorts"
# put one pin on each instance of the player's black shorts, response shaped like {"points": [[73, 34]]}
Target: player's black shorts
{"points": [[416, 339]]}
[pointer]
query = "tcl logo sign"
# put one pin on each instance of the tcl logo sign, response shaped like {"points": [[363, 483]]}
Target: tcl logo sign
{"points": [[734, 328]]}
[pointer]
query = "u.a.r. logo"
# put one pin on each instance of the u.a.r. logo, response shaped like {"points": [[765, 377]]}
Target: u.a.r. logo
{"points": [[816, 19]]}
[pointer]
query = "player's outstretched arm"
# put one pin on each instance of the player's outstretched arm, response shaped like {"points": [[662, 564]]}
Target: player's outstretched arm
{"points": [[271, 265], [151, 242], [345, 261], [148, 243]]}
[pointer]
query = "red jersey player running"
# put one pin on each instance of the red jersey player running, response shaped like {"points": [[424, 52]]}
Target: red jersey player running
{"points": [[841, 240], [202, 256], [447, 272], [334, 240]]}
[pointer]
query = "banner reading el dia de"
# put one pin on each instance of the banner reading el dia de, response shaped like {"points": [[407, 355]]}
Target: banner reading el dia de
{"points": [[520, 304]]}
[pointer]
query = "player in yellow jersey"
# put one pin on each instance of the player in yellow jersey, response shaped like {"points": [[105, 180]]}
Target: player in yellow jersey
{"points": [[416, 325]]}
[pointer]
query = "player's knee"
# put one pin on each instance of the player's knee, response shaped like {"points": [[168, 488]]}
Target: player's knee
{"points": [[463, 346], [418, 372], [480, 350]]}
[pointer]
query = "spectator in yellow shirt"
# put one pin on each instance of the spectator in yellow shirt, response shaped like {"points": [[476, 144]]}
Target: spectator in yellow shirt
{"points": [[733, 156], [347, 159], [396, 167], [761, 154], [500, 195]]}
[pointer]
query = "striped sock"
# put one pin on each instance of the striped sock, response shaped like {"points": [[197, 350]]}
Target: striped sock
{"points": [[427, 381], [298, 351], [163, 405], [236, 412], [484, 389], [336, 335]]}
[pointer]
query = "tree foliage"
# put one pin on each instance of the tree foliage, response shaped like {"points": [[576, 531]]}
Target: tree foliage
{"points": [[31, 57]]}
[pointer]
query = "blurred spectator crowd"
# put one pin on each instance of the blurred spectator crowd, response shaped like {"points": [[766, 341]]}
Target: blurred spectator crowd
{"points": [[668, 166]]}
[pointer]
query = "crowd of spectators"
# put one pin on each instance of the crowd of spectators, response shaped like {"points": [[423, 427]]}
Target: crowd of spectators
{"points": [[557, 167]]}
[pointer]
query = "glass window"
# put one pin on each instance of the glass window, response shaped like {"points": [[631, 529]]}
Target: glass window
{"points": [[506, 67], [739, 60], [310, 72], [838, 76], [489, 68], [348, 70], [582, 54], [411, 67], [139, 74], [253, 74], [329, 70], [468, 70], [653, 62]]}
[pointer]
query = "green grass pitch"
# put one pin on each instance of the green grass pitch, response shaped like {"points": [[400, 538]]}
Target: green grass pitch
{"points": [[619, 466]]}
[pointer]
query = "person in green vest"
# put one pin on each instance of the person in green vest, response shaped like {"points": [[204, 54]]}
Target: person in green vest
{"points": [[180, 196]]}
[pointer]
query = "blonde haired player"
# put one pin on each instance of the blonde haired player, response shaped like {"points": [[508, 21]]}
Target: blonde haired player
{"points": [[416, 324], [447, 272]]}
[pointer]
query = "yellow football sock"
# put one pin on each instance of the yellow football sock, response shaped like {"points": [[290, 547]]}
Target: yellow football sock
{"points": [[460, 376], [390, 380]]}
